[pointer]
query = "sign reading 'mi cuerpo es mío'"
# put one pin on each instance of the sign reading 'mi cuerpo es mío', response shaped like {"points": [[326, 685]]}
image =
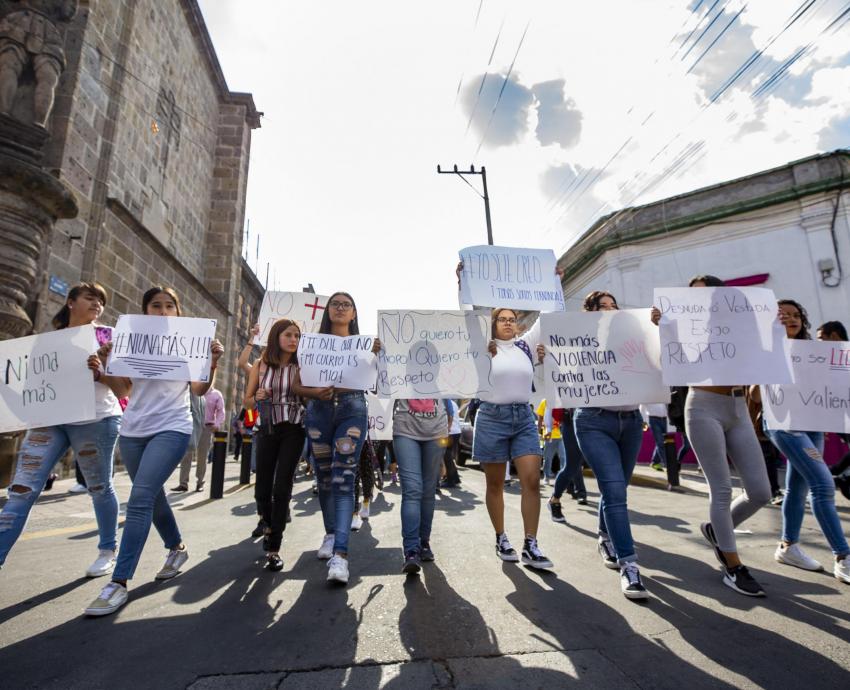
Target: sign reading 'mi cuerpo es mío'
{"points": [[333, 360], [510, 277], [819, 398], [721, 336], [601, 359], [433, 354], [45, 379], [305, 308], [380, 417], [170, 348]]}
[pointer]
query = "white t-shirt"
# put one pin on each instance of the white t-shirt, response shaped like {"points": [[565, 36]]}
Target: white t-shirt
{"points": [[513, 372], [105, 404], [157, 406]]}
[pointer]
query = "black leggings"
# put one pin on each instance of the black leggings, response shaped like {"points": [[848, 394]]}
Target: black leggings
{"points": [[278, 452], [364, 475]]}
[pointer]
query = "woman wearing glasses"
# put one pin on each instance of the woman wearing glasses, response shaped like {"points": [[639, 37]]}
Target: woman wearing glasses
{"points": [[337, 422]]}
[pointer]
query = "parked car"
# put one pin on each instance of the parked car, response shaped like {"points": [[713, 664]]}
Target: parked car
{"points": [[466, 432]]}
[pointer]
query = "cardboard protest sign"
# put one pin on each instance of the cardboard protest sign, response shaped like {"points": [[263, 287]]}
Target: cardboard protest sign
{"points": [[46, 380], [170, 348], [433, 354], [721, 336], [380, 418], [304, 308], [332, 360], [510, 277], [602, 359], [819, 398]]}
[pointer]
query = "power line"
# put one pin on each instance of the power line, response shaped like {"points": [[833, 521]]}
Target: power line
{"points": [[484, 77]]}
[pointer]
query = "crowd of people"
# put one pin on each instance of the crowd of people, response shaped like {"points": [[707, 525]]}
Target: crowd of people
{"points": [[167, 424]]}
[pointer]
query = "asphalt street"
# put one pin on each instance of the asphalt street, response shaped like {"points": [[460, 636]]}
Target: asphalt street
{"points": [[467, 621]]}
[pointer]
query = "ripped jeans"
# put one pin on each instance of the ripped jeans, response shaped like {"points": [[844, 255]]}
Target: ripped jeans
{"points": [[337, 431], [94, 446]]}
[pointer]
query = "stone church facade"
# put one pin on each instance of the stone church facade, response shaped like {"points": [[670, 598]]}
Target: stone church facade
{"points": [[156, 148]]}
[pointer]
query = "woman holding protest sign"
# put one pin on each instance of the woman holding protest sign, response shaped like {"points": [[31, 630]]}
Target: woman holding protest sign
{"points": [[718, 424], [281, 437], [806, 472], [337, 422], [93, 443], [154, 436]]}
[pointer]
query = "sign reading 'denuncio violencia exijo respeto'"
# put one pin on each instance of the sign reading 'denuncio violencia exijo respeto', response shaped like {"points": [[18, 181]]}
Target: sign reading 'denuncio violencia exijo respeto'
{"points": [[601, 359], [380, 417], [305, 308], [721, 336], [819, 398], [341, 362], [46, 380], [434, 354], [510, 277], [170, 348]]}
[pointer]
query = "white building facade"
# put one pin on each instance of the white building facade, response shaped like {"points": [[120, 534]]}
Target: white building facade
{"points": [[787, 229]]}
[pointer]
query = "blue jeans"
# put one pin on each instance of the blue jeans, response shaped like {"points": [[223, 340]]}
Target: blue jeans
{"points": [[610, 441], [150, 460], [658, 427], [94, 446], [806, 470], [419, 468], [551, 448], [337, 431]]}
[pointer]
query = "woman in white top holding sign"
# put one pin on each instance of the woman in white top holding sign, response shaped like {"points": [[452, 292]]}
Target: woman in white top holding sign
{"points": [[154, 436], [93, 443]]}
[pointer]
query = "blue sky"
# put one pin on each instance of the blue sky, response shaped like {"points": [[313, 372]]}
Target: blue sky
{"points": [[576, 109]]}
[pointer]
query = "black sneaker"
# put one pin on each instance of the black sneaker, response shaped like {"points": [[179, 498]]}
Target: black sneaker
{"points": [[259, 530], [630, 582], [425, 553], [274, 562], [504, 549], [582, 500], [708, 532], [739, 579], [532, 555], [606, 550], [180, 488], [412, 564], [556, 512]]}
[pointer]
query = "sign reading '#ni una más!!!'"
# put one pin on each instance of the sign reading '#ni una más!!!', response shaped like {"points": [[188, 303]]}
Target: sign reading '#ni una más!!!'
{"points": [[819, 398], [45, 379], [171, 348], [510, 277]]}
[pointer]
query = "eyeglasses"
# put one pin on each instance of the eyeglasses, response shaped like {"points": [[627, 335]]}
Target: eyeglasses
{"points": [[340, 305], [505, 319]]}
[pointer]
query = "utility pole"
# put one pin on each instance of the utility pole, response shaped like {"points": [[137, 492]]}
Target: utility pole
{"points": [[485, 196]]}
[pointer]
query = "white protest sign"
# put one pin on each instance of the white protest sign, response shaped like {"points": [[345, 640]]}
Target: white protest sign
{"points": [[170, 348], [380, 418], [434, 354], [304, 308], [819, 398], [601, 359], [721, 336], [46, 380], [510, 277], [332, 360]]}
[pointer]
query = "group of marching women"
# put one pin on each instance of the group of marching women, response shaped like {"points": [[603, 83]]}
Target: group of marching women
{"points": [[155, 428]]}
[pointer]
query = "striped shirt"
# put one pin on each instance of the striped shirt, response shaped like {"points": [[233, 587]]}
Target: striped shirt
{"points": [[283, 405]]}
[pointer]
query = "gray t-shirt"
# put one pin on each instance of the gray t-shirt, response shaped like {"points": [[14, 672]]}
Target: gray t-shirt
{"points": [[419, 424]]}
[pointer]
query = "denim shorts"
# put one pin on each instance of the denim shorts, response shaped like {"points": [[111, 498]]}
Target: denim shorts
{"points": [[504, 432]]}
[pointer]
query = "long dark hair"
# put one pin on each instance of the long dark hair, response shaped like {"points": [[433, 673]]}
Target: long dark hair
{"points": [[63, 316], [147, 298], [272, 353], [830, 327], [591, 302], [708, 279], [804, 318], [325, 326]]}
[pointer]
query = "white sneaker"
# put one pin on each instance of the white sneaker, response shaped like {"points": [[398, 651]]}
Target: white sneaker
{"points": [[338, 569], [356, 522], [111, 598], [364, 510], [842, 570], [173, 562], [326, 550], [77, 489], [103, 564], [794, 555]]}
